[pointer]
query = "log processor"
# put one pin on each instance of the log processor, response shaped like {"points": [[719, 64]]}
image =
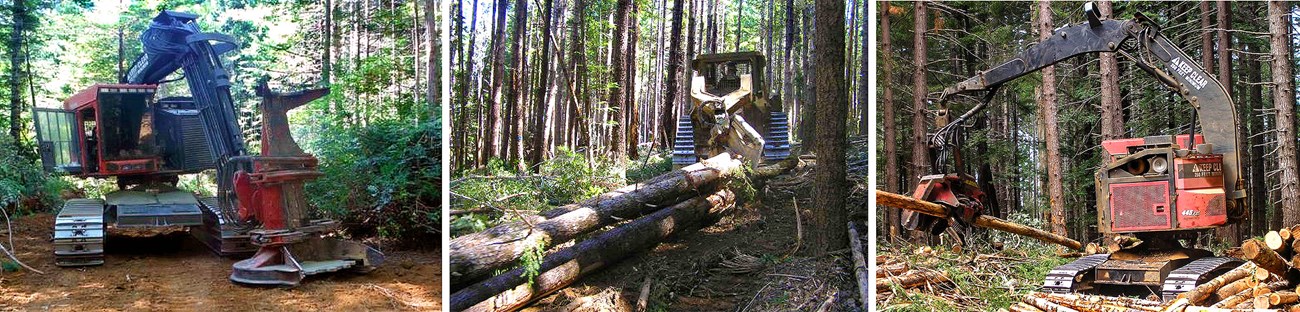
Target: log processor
{"points": [[121, 131], [1162, 190], [730, 112]]}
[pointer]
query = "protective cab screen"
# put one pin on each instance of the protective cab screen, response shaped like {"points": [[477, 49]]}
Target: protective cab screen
{"points": [[126, 122], [721, 79]]}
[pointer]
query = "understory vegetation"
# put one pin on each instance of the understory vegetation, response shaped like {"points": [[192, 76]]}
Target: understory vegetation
{"points": [[497, 193]]}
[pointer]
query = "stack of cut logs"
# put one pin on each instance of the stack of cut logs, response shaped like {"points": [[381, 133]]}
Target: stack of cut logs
{"points": [[648, 212]]}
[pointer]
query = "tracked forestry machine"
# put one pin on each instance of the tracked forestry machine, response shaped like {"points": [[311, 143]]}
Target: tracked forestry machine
{"points": [[1161, 191], [730, 111], [122, 131]]}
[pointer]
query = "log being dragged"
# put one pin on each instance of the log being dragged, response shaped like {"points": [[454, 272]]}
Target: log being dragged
{"points": [[475, 256], [888, 199], [510, 291]]}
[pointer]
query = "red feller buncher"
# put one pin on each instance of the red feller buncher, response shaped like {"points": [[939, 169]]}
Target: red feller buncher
{"points": [[122, 131], [1162, 190]]}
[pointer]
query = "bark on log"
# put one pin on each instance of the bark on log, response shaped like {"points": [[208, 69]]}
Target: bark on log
{"points": [[476, 256], [891, 270], [1024, 307], [1256, 251], [510, 291], [911, 279], [1235, 299], [1198, 294], [1121, 242], [859, 266], [1233, 288], [1099, 303], [1045, 305], [887, 199]]}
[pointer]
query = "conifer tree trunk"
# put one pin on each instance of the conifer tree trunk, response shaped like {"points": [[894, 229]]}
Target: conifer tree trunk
{"points": [[1284, 102], [888, 125], [1047, 108], [539, 148], [667, 127], [618, 73], [829, 184], [1112, 111], [493, 125]]}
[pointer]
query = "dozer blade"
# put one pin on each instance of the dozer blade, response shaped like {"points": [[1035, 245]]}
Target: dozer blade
{"points": [[288, 265]]}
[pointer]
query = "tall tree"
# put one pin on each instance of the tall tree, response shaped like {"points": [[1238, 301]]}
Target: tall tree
{"points": [[464, 100], [1224, 53], [888, 125], [864, 123], [538, 148], [492, 144], [1047, 108], [19, 17], [787, 97], [1279, 26], [631, 110], [618, 72], [518, 85], [667, 127], [920, 155], [828, 218], [1207, 36], [578, 55], [1112, 111]]}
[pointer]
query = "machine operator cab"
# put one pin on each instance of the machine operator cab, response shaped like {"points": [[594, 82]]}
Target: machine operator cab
{"points": [[121, 130]]}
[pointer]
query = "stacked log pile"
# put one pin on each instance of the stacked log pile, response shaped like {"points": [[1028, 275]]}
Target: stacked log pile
{"points": [[642, 215]]}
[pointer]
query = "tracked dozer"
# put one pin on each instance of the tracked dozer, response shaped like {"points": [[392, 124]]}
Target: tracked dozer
{"points": [[730, 112]]}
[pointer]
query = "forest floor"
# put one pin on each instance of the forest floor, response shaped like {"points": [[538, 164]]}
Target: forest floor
{"points": [[177, 272], [687, 273], [983, 278]]}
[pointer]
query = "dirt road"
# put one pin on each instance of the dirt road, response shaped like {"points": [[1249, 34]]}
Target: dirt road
{"points": [[176, 272]]}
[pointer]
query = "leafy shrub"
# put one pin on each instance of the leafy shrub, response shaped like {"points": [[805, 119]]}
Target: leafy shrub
{"points": [[23, 184], [381, 179]]}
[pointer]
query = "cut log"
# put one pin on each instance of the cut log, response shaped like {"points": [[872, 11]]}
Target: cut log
{"points": [[1260, 275], [891, 270], [1235, 299], [887, 199], [1198, 294], [511, 291], [1274, 241], [1256, 251], [1233, 288], [1024, 307], [1121, 242], [1045, 305], [859, 266], [1282, 297], [1098, 303], [1093, 248], [1285, 233], [476, 256], [911, 279], [1260, 302]]}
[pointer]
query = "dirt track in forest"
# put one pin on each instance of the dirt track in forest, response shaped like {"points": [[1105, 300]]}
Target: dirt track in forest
{"points": [[178, 272], [687, 275]]}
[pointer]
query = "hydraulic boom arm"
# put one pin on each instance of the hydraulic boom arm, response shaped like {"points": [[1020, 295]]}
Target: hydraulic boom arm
{"points": [[1142, 42]]}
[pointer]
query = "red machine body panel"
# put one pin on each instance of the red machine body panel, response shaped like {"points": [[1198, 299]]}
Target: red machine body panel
{"points": [[1199, 181]]}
